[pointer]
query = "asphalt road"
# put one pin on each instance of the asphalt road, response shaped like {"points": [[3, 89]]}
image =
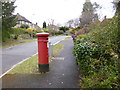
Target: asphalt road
{"points": [[15, 54], [63, 73]]}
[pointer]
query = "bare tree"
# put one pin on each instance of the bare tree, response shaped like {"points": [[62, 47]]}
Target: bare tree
{"points": [[73, 23], [76, 22], [51, 22], [70, 23]]}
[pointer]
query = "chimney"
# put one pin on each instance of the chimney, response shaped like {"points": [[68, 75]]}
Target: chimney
{"points": [[36, 23], [105, 17]]}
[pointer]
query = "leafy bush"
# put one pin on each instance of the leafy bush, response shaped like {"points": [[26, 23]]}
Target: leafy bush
{"points": [[56, 32], [72, 31], [64, 29], [17, 33], [5, 35], [97, 53], [86, 50], [78, 28], [30, 29], [24, 26]]}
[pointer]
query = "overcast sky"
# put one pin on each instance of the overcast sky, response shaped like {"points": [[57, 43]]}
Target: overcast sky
{"points": [[59, 10]]}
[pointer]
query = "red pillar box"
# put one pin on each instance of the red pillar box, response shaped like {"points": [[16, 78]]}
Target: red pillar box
{"points": [[43, 61]]}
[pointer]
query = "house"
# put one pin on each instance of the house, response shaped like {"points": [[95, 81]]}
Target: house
{"points": [[36, 27], [105, 21], [52, 27], [23, 20]]}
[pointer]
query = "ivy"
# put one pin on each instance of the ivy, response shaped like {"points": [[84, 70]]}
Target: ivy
{"points": [[97, 54]]}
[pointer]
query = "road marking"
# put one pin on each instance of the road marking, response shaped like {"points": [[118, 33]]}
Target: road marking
{"points": [[23, 61], [9, 47], [58, 42]]}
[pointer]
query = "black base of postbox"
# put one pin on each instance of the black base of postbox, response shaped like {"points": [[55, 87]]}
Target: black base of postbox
{"points": [[43, 67]]}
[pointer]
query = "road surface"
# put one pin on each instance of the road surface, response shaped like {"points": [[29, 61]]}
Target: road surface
{"points": [[15, 54]]}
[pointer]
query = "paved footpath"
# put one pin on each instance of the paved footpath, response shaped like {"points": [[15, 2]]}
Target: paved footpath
{"points": [[63, 73]]}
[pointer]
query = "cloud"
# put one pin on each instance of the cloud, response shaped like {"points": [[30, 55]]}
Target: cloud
{"points": [[59, 10]]}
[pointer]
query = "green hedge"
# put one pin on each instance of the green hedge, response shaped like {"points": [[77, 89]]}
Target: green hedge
{"points": [[17, 33], [97, 54], [22, 33], [56, 32]]}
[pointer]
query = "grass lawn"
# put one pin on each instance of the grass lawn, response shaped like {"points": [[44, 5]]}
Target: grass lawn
{"points": [[65, 40], [30, 66], [68, 37]]}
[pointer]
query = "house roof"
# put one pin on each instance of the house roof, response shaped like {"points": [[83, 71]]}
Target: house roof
{"points": [[21, 18]]}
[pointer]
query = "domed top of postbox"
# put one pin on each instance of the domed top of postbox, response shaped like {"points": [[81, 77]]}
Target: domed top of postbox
{"points": [[42, 34]]}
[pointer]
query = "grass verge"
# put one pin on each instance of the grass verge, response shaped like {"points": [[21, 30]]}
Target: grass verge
{"points": [[57, 49], [66, 39], [30, 66], [15, 43]]}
